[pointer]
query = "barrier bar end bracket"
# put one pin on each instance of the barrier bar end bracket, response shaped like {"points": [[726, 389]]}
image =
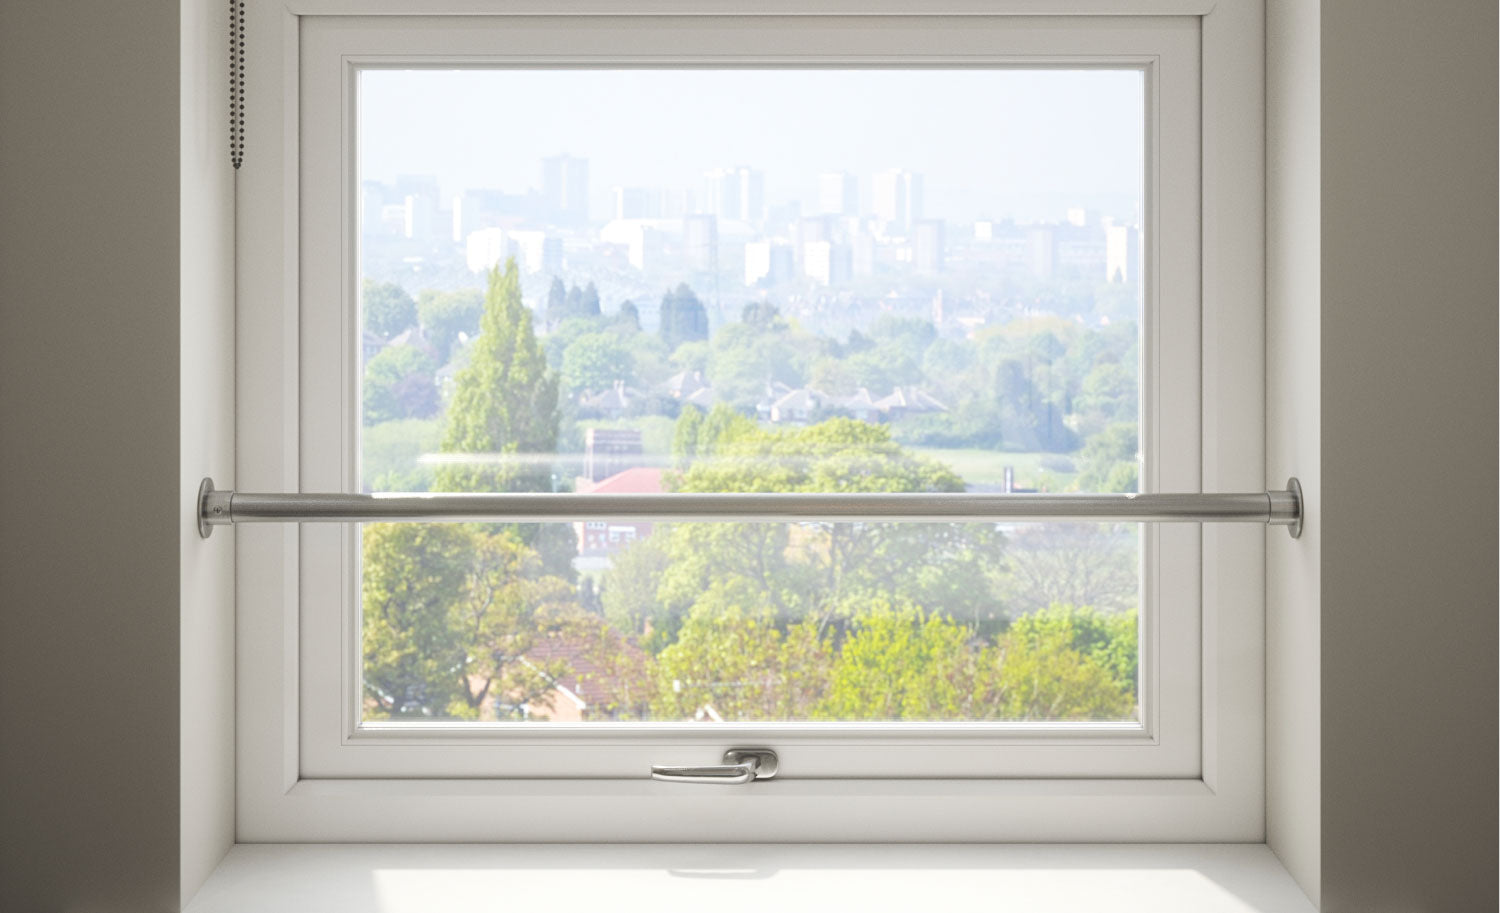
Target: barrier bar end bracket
{"points": [[1295, 487], [206, 488]]}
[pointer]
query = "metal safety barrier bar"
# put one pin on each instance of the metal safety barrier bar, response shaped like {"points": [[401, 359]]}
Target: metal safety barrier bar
{"points": [[1272, 508]]}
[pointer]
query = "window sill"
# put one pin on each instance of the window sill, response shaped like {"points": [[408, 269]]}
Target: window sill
{"points": [[346, 878]]}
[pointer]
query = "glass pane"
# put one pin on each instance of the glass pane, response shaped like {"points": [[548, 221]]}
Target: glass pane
{"points": [[639, 281]]}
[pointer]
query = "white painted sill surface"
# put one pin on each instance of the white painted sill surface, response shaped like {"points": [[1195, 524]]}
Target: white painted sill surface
{"points": [[436, 878]]}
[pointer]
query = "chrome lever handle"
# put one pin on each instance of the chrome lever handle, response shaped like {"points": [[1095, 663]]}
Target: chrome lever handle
{"points": [[741, 765], [728, 774]]}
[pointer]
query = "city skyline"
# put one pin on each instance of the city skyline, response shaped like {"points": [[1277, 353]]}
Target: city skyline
{"points": [[827, 121]]}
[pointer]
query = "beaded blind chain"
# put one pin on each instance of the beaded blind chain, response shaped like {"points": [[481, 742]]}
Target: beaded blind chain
{"points": [[236, 82]]}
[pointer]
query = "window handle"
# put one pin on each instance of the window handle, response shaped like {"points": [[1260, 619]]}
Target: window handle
{"points": [[741, 765]]}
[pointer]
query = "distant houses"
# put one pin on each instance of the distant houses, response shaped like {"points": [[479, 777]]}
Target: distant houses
{"points": [[611, 403], [689, 388], [905, 401], [779, 404], [805, 405]]}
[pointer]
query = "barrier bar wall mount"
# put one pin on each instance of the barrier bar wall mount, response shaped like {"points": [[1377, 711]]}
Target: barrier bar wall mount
{"points": [[1271, 508]]}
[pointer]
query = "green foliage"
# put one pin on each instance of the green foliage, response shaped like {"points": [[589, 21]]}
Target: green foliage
{"points": [[1109, 393], [589, 301], [685, 436], [563, 335], [947, 358], [1036, 671], [755, 621], [900, 663], [761, 314], [911, 333], [444, 315], [504, 400], [692, 356], [683, 317], [1094, 564], [557, 302], [387, 308], [893, 356], [734, 658], [594, 361], [730, 658], [629, 594], [1108, 639], [832, 376], [398, 384], [449, 611], [1111, 459], [883, 368], [746, 356], [571, 303], [722, 424], [810, 570], [389, 454], [628, 317]]}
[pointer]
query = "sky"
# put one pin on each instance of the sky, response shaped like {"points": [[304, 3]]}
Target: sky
{"points": [[989, 143]]}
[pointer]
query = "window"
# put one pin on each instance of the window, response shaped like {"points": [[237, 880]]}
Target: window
{"points": [[807, 325]]}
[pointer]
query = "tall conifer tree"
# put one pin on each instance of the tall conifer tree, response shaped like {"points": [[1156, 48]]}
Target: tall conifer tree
{"points": [[504, 400]]}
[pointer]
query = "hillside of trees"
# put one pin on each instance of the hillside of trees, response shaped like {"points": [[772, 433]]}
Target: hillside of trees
{"points": [[743, 621]]}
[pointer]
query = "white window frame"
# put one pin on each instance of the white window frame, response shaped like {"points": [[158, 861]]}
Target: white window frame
{"points": [[306, 772]]}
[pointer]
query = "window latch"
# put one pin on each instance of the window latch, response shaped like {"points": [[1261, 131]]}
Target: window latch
{"points": [[741, 765]]}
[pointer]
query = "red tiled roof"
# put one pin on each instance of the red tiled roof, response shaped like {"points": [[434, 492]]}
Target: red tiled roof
{"points": [[599, 685], [639, 480]]}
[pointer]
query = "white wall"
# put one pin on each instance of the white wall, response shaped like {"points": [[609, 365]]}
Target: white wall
{"points": [[206, 401], [1293, 422]]}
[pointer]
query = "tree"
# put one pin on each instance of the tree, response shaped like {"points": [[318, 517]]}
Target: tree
{"points": [[629, 594], [444, 315], [747, 356], [557, 303], [683, 317], [731, 659], [1110, 639], [685, 436], [387, 308], [901, 663], [1111, 459], [884, 367], [1036, 671], [627, 318], [594, 362], [504, 401], [399, 384], [390, 454], [589, 301], [1109, 393], [692, 356], [571, 303], [762, 314], [807, 570], [449, 611], [912, 334], [1091, 564]]}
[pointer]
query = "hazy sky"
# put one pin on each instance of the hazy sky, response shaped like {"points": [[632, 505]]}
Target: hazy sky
{"points": [[988, 142]]}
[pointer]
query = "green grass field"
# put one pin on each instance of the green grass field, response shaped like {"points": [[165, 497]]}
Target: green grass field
{"points": [[1042, 471]]}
